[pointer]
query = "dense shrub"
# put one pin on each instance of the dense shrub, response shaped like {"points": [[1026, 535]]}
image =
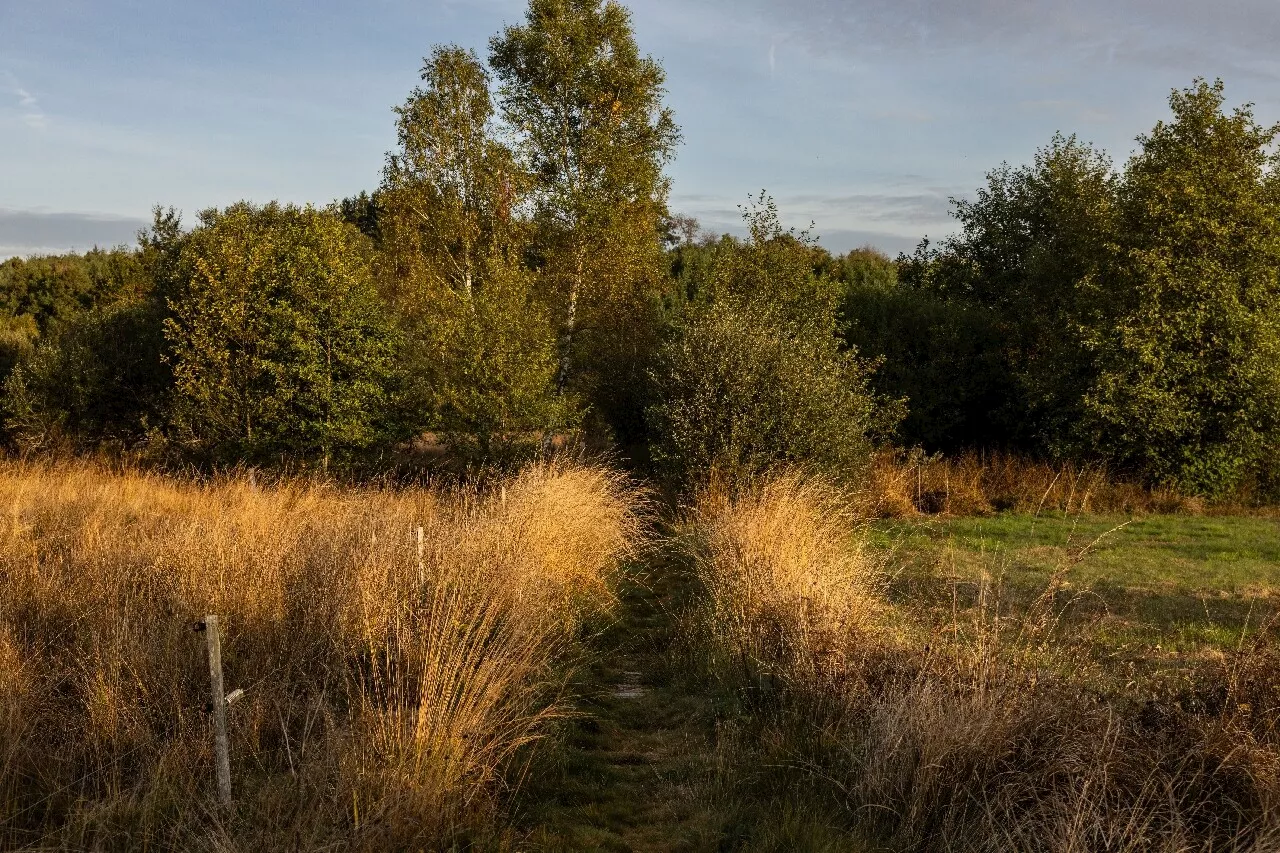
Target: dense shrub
{"points": [[99, 378], [741, 390], [946, 359], [53, 288], [279, 345], [753, 374]]}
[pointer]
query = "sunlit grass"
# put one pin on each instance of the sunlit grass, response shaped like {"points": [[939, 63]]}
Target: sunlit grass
{"points": [[391, 694]]}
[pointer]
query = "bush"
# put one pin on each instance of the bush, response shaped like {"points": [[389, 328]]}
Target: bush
{"points": [[948, 361], [279, 344], [99, 378], [741, 391], [753, 374], [17, 337]]}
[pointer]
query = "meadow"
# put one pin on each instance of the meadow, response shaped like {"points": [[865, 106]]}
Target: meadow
{"points": [[567, 664], [392, 690]]}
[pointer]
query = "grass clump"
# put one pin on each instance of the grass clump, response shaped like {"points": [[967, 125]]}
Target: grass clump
{"points": [[391, 693], [992, 732], [785, 582]]}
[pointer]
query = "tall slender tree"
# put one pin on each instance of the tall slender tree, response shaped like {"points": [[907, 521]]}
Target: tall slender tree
{"points": [[448, 192], [478, 348], [595, 136]]}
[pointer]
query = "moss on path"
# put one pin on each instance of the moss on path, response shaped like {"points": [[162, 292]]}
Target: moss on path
{"points": [[636, 769]]}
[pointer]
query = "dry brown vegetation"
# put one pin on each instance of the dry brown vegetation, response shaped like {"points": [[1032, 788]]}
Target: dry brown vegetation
{"points": [[390, 699], [785, 583], [904, 484], [986, 735]]}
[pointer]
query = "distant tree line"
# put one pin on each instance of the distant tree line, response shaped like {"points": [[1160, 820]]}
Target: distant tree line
{"points": [[517, 277]]}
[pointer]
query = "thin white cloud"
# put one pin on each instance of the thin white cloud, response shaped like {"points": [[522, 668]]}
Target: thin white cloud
{"points": [[891, 221], [1237, 37], [33, 116]]}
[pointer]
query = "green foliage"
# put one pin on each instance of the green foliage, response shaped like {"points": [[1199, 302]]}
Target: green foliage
{"points": [[482, 370], [865, 268], [753, 375], [1137, 315], [53, 288], [449, 191], [948, 361], [1187, 330], [1011, 281], [17, 337], [595, 136], [278, 344], [478, 353], [364, 211], [98, 379]]}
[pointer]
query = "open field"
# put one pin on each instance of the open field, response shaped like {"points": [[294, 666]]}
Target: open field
{"points": [[999, 683], [1145, 589], [769, 670]]}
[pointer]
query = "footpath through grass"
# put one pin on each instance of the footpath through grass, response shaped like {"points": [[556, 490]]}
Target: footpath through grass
{"points": [[635, 767], [656, 760], [661, 758]]}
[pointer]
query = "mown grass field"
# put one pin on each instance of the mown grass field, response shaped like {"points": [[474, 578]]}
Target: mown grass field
{"points": [[1149, 592]]}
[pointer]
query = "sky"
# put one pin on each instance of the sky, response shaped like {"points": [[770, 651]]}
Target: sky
{"points": [[863, 117]]}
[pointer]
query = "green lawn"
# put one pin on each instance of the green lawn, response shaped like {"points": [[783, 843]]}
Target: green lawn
{"points": [[1142, 587]]}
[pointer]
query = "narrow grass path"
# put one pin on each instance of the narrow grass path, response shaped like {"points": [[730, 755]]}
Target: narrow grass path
{"points": [[636, 769]]}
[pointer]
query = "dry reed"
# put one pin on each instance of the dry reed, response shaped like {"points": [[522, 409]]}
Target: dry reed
{"points": [[389, 698], [903, 484]]}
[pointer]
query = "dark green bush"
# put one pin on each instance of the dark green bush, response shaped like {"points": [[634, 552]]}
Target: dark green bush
{"points": [[98, 379], [278, 341]]}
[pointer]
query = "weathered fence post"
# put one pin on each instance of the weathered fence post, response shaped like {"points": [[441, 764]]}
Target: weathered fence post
{"points": [[221, 746]]}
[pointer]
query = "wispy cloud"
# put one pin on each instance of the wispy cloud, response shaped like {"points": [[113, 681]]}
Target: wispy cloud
{"points": [[33, 115], [1239, 36], [892, 221]]}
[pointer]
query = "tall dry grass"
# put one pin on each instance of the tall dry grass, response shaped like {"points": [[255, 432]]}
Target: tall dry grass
{"points": [[785, 580], [987, 736], [389, 698], [902, 484]]}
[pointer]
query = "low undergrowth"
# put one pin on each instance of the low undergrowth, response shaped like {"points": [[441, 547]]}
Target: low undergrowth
{"points": [[903, 484]]}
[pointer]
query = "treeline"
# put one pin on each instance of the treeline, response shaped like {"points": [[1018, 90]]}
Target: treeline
{"points": [[517, 277]]}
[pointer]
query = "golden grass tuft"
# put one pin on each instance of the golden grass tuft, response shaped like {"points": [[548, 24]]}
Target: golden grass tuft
{"points": [[388, 698], [785, 578]]}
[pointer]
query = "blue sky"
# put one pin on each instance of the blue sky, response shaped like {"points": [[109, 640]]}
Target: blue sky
{"points": [[863, 116]]}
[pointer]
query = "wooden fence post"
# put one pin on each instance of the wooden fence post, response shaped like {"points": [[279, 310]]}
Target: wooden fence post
{"points": [[221, 746]]}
